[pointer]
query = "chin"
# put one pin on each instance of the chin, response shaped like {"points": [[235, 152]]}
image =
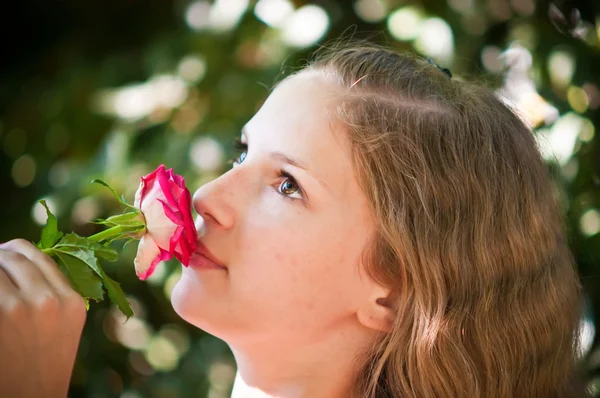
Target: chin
{"points": [[196, 309]]}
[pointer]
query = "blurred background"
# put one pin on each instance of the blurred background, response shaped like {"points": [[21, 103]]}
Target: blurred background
{"points": [[110, 89]]}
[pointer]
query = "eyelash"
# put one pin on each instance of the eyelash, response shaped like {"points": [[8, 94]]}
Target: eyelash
{"points": [[241, 147]]}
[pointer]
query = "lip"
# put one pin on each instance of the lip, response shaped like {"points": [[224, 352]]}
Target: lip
{"points": [[203, 252]]}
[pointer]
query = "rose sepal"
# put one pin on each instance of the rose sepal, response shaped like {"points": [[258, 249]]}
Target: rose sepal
{"points": [[130, 225]]}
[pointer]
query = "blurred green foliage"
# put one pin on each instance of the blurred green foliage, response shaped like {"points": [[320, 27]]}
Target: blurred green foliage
{"points": [[112, 89]]}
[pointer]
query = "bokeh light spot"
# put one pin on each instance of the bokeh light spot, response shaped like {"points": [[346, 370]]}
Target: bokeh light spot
{"points": [[137, 101], [561, 66], [404, 23], [462, 6], [225, 15], [221, 375], [159, 274], [162, 354], [206, 154], [525, 34], [578, 99], [593, 94], [196, 15], [85, 209], [273, 13], [436, 40], [23, 170], [133, 333], [570, 169], [499, 9], [586, 134], [178, 336], [371, 11], [558, 142], [524, 8], [131, 394], [491, 58], [192, 68], [589, 223], [587, 331], [59, 174], [306, 26]]}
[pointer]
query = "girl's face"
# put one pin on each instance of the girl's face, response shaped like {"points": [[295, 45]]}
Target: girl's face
{"points": [[289, 222]]}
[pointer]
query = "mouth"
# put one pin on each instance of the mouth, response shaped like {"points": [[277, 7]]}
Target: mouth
{"points": [[207, 257]]}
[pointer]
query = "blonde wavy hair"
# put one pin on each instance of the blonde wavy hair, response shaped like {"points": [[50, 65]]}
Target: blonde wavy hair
{"points": [[470, 233]]}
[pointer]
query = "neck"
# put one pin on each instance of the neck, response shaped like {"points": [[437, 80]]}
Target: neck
{"points": [[324, 369]]}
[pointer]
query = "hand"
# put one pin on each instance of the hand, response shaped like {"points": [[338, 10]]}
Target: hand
{"points": [[41, 320]]}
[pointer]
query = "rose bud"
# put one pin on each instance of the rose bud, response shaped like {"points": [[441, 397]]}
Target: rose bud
{"points": [[165, 202]]}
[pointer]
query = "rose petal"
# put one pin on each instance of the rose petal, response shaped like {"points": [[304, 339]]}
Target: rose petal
{"points": [[157, 223], [167, 188], [179, 180], [148, 256], [148, 181], [137, 202], [188, 221], [174, 216]]}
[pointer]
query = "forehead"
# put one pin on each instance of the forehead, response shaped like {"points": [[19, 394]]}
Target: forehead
{"points": [[298, 119], [302, 103]]}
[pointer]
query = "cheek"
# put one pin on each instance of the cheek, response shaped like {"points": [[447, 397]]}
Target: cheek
{"points": [[306, 268]]}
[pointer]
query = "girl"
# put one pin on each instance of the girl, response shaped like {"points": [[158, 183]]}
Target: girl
{"points": [[386, 231]]}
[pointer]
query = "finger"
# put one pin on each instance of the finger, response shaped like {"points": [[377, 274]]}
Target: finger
{"points": [[24, 274], [45, 263], [7, 286]]}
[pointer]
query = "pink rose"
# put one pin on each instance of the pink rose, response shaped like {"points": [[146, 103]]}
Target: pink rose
{"points": [[167, 207]]}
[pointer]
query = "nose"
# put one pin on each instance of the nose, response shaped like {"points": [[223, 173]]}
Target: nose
{"points": [[213, 202]]}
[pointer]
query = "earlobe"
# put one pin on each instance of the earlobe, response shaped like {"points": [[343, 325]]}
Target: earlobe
{"points": [[378, 312]]}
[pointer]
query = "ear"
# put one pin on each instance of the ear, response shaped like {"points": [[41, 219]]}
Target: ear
{"points": [[377, 312]]}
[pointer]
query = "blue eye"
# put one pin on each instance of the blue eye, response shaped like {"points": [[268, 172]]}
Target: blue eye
{"points": [[241, 150]]}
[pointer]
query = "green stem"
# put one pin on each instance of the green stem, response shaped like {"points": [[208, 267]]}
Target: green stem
{"points": [[107, 233]]}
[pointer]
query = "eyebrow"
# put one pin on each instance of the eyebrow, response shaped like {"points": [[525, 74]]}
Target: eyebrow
{"points": [[285, 158], [277, 155]]}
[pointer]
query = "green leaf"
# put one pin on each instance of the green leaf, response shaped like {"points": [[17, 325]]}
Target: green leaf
{"points": [[116, 295], [50, 232], [85, 252], [74, 242], [82, 278], [86, 256]]}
